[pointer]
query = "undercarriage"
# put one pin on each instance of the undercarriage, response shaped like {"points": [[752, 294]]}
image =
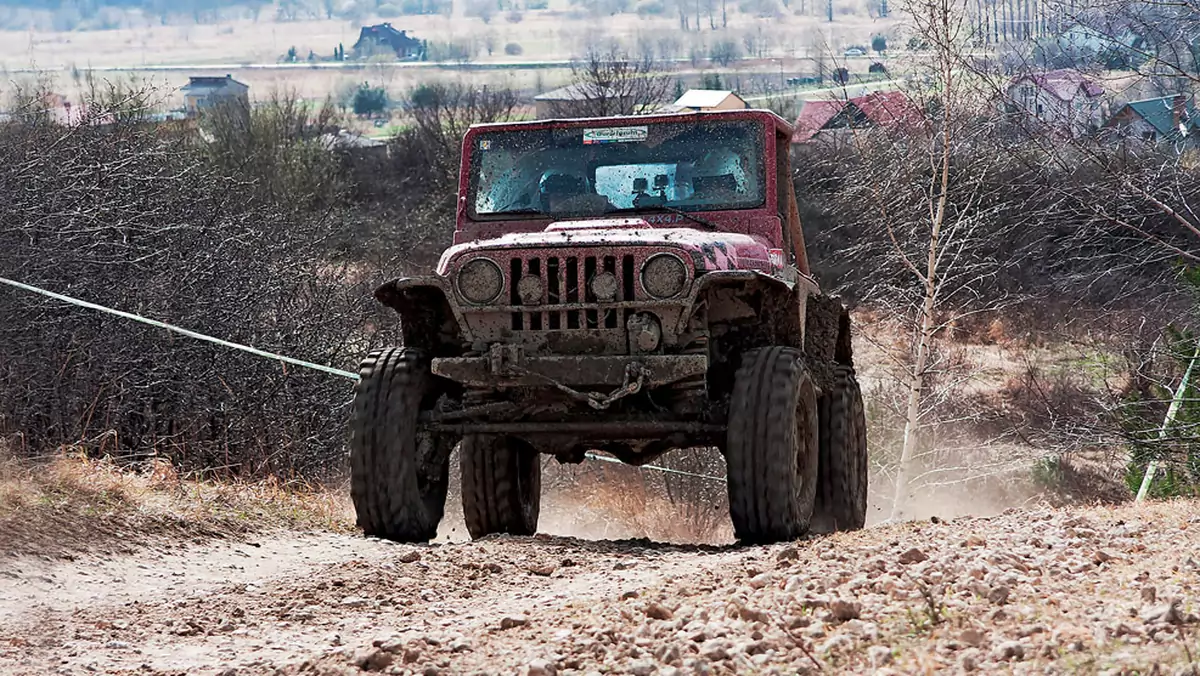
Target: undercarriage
{"points": [[741, 363], [634, 407]]}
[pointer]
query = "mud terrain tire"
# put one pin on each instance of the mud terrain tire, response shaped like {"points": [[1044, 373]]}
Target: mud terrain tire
{"points": [[842, 486], [771, 448], [398, 474], [501, 485]]}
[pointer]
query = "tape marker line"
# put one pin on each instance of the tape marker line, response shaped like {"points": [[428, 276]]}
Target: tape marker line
{"points": [[593, 456], [269, 355], [180, 330]]}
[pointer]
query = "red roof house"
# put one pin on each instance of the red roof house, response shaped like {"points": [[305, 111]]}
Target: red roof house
{"points": [[1065, 100], [888, 110], [813, 118], [1063, 84]]}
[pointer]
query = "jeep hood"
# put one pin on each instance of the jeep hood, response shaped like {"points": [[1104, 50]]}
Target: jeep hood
{"points": [[709, 250]]}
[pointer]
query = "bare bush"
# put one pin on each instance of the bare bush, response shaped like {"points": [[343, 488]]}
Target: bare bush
{"points": [[277, 149], [140, 217], [1069, 244], [441, 114]]}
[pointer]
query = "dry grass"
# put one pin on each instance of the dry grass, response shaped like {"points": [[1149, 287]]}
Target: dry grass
{"points": [[73, 503], [1009, 406]]}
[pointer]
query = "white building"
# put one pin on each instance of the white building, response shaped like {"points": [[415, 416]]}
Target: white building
{"points": [[1065, 100], [709, 99]]}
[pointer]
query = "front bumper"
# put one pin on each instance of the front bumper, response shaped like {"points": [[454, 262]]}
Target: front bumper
{"points": [[512, 369]]}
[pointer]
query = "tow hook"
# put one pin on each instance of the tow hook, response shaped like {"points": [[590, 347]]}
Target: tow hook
{"points": [[635, 379], [502, 358]]}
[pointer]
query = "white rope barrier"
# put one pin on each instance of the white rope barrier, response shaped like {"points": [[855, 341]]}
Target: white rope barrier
{"points": [[180, 330], [270, 355]]}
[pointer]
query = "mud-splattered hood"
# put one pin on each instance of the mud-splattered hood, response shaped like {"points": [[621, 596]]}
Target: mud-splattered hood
{"points": [[710, 250]]}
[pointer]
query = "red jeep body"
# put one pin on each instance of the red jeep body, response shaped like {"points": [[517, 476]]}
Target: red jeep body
{"points": [[580, 308]]}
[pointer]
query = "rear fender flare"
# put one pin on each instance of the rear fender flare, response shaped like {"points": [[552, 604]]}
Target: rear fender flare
{"points": [[827, 335], [844, 352]]}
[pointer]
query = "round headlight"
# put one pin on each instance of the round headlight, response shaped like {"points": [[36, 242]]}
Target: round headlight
{"points": [[664, 275], [529, 290], [604, 287], [480, 281]]}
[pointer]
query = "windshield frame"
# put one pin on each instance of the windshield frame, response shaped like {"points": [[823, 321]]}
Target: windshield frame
{"points": [[763, 133]]}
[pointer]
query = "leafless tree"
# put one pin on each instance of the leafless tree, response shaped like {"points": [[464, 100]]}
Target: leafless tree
{"points": [[1091, 233], [441, 114], [932, 215], [613, 82], [407, 197], [1135, 191]]}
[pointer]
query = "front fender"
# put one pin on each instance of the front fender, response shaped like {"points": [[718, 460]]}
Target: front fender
{"points": [[429, 319], [794, 284]]}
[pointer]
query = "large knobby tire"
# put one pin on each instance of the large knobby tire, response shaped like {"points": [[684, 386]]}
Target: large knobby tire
{"points": [[398, 473], [771, 448], [501, 485], [842, 487]]}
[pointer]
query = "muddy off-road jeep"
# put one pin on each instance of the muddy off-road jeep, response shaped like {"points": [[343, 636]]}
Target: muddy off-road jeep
{"points": [[629, 285]]}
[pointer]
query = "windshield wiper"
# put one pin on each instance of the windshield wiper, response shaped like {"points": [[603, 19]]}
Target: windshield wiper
{"points": [[686, 214]]}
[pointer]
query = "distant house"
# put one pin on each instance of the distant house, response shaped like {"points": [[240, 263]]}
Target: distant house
{"points": [[207, 93], [58, 108], [1065, 100], [383, 39], [709, 99], [582, 99], [887, 109], [1080, 36], [354, 145], [1165, 119], [814, 117], [883, 110], [1115, 48]]}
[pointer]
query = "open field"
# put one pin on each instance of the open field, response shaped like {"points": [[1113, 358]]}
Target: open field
{"points": [[338, 83], [542, 34], [548, 39]]}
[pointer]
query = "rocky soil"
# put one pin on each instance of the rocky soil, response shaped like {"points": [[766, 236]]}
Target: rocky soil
{"points": [[1098, 590]]}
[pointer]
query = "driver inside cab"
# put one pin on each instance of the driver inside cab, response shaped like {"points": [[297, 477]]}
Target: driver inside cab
{"points": [[568, 191]]}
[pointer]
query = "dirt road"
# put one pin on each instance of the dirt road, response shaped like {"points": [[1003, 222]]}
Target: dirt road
{"points": [[1046, 591]]}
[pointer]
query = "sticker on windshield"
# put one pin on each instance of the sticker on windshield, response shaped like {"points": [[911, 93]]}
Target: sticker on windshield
{"points": [[615, 135]]}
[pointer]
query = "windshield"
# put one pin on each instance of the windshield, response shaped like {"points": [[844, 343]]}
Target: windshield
{"points": [[601, 170]]}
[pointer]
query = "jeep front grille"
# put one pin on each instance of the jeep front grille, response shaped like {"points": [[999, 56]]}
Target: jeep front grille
{"points": [[565, 283]]}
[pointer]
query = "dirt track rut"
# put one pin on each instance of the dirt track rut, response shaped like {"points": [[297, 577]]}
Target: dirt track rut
{"points": [[1028, 592]]}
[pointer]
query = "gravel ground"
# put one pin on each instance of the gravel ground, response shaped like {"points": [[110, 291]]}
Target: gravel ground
{"points": [[1096, 590]]}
